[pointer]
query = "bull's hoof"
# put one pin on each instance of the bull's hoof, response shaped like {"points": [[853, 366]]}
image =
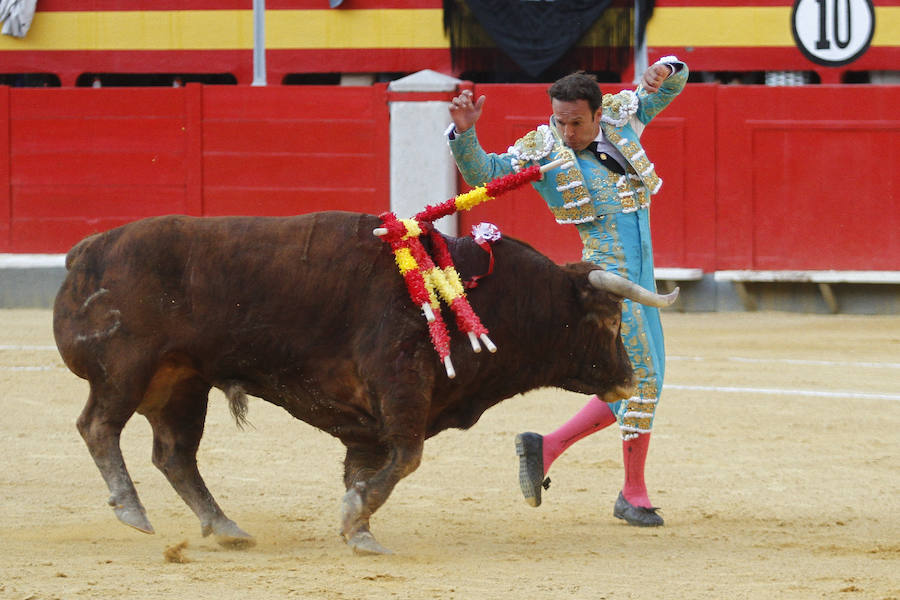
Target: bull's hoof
{"points": [[133, 516], [355, 526], [236, 542], [234, 538], [228, 534], [363, 542]]}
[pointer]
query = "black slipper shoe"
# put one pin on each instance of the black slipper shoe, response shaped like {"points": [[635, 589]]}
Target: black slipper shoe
{"points": [[636, 515], [530, 448]]}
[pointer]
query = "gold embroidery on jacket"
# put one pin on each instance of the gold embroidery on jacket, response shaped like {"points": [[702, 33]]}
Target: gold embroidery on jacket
{"points": [[638, 160]]}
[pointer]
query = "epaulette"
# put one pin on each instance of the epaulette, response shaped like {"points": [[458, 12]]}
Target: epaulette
{"points": [[533, 146], [619, 108]]}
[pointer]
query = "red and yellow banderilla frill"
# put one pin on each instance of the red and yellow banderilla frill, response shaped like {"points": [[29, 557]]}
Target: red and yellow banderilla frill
{"points": [[426, 281]]}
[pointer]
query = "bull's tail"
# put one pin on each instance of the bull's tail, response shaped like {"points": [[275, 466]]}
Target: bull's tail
{"points": [[237, 402]]}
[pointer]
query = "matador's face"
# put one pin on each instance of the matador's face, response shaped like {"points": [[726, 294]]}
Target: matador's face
{"points": [[576, 123]]}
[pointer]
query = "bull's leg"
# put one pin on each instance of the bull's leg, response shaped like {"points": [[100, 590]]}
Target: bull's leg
{"points": [[371, 472], [177, 429], [363, 461], [100, 424]]}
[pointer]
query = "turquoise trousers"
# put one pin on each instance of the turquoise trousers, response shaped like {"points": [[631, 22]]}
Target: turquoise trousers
{"points": [[620, 243]]}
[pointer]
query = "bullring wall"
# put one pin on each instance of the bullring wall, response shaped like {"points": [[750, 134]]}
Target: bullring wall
{"points": [[754, 177], [74, 161]]}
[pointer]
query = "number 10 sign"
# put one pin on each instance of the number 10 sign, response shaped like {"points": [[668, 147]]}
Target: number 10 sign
{"points": [[833, 32]]}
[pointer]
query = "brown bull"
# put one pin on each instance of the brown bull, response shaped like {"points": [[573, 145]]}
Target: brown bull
{"points": [[310, 313]]}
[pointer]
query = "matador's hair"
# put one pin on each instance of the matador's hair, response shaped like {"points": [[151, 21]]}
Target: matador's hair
{"points": [[577, 86]]}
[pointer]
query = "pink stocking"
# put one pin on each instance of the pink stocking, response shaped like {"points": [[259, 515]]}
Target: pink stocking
{"points": [[634, 454], [594, 416]]}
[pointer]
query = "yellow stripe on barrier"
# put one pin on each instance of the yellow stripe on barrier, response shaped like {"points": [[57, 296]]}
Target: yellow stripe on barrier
{"points": [[343, 29], [232, 30], [720, 26], [698, 27], [746, 26], [887, 26], [137, 30]]}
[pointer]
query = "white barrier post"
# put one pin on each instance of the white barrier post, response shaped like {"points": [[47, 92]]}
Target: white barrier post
{"points": [[422, 169]]}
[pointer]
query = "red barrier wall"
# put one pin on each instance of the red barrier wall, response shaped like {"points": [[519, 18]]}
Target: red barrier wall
{"points": [[808, 178], [82, 160], [754, 177], [275, 151]]}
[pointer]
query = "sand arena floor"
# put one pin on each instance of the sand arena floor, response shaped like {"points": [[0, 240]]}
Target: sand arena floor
{"points": [[775, 459]]}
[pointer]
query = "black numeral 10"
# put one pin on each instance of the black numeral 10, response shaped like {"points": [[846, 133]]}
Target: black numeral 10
{"points": [[823, 42]]}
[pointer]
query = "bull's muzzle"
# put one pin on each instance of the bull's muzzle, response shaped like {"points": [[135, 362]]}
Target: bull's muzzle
{"points": [[620, 392]]}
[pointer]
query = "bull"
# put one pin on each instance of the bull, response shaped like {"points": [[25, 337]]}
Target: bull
{"points": [[310, 313]]}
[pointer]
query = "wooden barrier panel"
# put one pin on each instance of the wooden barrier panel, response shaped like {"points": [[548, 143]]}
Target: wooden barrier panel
{"points": [[290, 150], [808, 178], [83, 160], [681, 143], [5, 184]]}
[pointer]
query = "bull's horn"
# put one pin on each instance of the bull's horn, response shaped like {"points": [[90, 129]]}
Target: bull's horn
{"points": [[610, 282]]}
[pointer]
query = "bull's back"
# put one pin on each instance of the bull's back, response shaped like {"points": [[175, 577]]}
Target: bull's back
{"points": [[223, 280]]}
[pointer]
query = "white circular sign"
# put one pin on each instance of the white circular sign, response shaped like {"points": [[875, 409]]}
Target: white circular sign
{"points": [[833, 32]]}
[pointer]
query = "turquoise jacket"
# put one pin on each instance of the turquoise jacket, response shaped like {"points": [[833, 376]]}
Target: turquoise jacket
{"points": [[584, 188]]}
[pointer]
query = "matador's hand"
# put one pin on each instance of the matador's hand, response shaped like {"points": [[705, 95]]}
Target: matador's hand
{"points": [[654, 76], [464, 111]]}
